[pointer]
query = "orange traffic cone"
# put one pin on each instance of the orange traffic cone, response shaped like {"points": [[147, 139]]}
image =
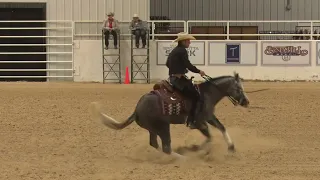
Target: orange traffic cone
{"points": [[126, 80]]}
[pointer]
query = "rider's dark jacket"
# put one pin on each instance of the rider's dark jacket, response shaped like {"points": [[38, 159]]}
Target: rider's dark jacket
{"points": [[178, 61]]}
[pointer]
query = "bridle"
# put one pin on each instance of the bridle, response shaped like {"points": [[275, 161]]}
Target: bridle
{"points": [[210, 80]]}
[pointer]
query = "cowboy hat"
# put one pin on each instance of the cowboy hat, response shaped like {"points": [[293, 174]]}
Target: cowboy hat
{"points": [[110, 14], [184, 36], [135, 15]]}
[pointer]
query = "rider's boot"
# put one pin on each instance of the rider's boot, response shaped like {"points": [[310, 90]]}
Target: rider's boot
{"points": [[196, 109], [191, 121]]}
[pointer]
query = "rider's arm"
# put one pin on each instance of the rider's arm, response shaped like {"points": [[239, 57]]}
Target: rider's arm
{"points": [[187, 62]]}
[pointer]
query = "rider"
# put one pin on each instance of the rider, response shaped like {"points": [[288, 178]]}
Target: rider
{"points": [[178, 64]]}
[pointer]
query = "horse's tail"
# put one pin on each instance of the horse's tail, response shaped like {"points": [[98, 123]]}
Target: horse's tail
{"points": [[109, 121], [114, 124]]}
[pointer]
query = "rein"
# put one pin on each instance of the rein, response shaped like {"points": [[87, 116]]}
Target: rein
{"points": [[259, 90], [210, 80]]}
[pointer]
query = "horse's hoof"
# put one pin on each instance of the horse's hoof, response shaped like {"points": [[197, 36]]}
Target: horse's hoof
{"points": [[178, 156], [231, 148]]}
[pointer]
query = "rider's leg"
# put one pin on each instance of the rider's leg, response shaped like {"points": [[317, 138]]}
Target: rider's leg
{"points": [[191, 92], [187, 89], [194, 108]]}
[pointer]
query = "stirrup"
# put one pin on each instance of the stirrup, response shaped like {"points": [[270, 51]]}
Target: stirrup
{"points": [[192, 125]]}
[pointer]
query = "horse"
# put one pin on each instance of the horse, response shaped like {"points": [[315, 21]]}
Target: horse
{"points": [[162, 106]]}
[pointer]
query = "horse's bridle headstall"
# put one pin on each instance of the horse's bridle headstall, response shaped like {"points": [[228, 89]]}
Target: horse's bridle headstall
{"points": [[210, 80]]}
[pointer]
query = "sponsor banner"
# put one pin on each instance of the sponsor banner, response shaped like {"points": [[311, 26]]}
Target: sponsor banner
{"points": [[196, 52], [232, 53], [285, 53]]}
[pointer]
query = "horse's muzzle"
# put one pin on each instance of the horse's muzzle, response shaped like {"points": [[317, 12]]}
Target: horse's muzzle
{"points": [[244, 102]]}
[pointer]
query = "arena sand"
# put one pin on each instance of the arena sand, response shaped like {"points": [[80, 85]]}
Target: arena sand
{"points": [[47, 133]]}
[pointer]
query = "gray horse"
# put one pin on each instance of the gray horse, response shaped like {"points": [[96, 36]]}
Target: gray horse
{"points": [[156, 110]]}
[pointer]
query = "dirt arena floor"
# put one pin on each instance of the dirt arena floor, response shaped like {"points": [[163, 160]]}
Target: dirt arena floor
{"points": [[47, 133]]}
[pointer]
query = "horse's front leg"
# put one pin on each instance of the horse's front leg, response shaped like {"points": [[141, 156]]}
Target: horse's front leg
{"points": [[204, 129], [216, 123]]}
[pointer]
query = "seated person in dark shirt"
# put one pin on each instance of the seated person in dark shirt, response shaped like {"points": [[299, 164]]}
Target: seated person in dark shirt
{"points": [[179, 64]]}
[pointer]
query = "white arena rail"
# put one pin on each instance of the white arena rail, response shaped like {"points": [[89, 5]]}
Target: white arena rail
{"points": [[59, 43], [310, 25], [93, 28]]}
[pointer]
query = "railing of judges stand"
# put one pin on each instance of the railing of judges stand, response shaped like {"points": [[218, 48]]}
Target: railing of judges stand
{"points": [[186, 26]]}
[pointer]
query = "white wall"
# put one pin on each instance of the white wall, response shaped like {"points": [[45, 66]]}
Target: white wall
{"points": [[88, 62]]}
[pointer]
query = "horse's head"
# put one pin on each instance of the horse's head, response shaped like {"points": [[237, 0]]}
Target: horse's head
{"points": [[237, 93], [231, 86]]}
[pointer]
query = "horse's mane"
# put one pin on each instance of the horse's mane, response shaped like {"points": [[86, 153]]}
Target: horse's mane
{"points": [[219, 79]]}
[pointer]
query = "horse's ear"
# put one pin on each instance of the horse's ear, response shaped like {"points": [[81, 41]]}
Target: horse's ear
{"points": [[236, 76]]}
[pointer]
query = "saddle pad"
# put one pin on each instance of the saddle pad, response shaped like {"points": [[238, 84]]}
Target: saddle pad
{"points": [[171, 104]]}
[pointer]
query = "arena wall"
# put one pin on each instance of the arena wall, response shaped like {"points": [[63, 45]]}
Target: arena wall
{"points": [[252, 61], [74, 35], [85, 17], [67, 18]]}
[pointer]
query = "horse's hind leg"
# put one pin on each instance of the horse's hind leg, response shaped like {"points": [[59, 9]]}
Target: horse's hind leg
{"points": [[153, 140], [216, 123], [164, 134]]}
